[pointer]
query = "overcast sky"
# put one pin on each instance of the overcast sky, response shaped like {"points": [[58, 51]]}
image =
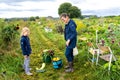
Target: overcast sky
{"points": [[44, 8]]}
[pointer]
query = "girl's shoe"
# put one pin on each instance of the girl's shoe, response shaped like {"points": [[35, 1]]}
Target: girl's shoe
{"points": [[29, 73], [30, 69]]}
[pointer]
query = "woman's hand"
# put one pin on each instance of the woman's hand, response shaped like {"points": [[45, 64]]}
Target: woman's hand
{"points": [[67, 42]]}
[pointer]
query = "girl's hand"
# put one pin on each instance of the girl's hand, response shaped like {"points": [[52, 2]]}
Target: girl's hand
{"points": [[25, 56]]}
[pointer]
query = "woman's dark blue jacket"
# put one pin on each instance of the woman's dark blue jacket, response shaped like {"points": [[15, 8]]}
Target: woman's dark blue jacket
{"points": [[71, 33], [25, 45]]}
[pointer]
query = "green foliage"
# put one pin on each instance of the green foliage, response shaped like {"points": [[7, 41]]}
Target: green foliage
{"points": [[59, 41], [32, 18], [10, 67], [47, 55], [110, 36], [43, 21], [11, 62], [9, 34], [64, 8], [80, 26], [37, 17], [104, 74], [73, 11], [2, 24]]}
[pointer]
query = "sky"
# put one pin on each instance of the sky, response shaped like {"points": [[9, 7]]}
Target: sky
{"points": [[44, 8]]}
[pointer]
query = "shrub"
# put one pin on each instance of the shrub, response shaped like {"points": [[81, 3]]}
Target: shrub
{"points": [[8, 34], [80, 26]]}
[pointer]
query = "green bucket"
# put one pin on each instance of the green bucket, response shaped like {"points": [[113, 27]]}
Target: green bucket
{"points": [[47, 58]]}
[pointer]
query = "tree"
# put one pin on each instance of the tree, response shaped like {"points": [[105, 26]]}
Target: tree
{"points": [[73, 11], [64, 8], [37, 17], [32, 18]]}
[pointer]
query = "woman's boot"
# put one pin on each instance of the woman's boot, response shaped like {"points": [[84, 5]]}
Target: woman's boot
{"points": [[70, 69]]}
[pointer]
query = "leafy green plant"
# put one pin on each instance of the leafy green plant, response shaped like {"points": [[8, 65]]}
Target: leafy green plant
{"points": [[47, 55], [9, 34], [10, 67]]}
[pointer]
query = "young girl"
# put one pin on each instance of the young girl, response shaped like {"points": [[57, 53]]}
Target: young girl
{"points": [[26, 49]]}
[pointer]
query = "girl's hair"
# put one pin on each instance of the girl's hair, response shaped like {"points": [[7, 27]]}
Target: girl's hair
{"points": [[25, 29]]}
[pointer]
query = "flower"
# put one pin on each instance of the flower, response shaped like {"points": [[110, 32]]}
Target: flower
{"points": [[49, 52]]}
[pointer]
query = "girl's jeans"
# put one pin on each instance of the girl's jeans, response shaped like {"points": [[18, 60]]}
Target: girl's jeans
{"points": [[26, 65]]}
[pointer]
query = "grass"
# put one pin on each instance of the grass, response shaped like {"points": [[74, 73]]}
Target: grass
{"points": [[10, 67], [40, 41], [11, 61]]}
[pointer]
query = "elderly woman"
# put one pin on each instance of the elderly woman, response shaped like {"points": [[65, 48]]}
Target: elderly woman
{"points": [[70, 36]]}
